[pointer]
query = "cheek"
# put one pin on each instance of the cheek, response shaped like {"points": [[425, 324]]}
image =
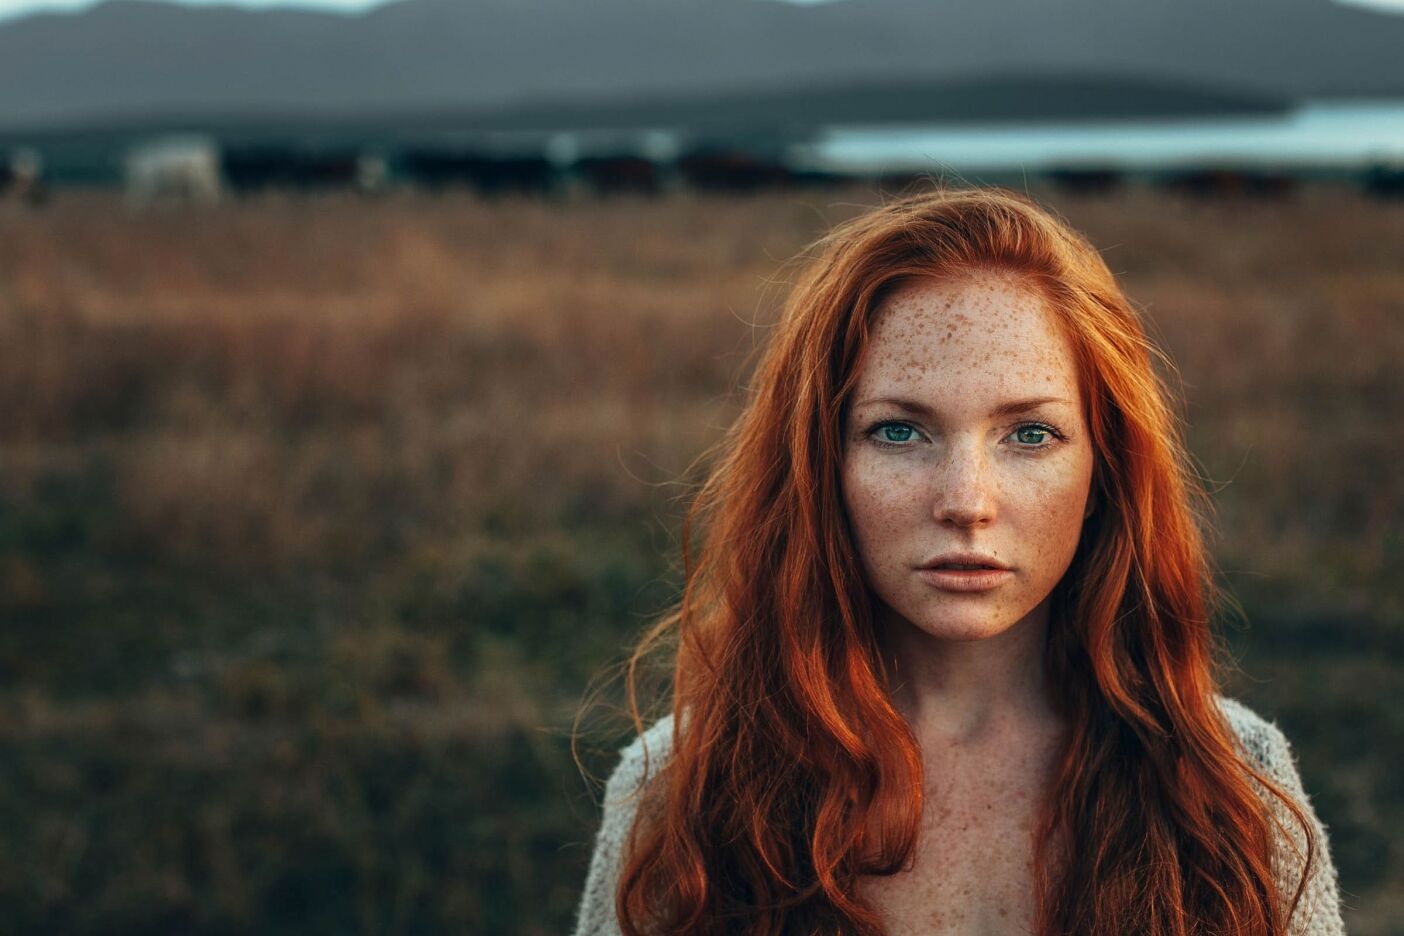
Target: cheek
{"points": [[876, 491], [1051, 506], [888, 502]]}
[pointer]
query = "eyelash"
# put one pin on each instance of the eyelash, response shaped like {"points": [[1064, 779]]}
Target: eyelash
{"points": [[1051, 430]]}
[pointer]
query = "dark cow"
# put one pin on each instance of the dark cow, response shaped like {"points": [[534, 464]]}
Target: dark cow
{"points": [[256, 169], [819, 178], [488, 174], [1085, 181], [618, 174], [1382, 181], [906, 182], [731, 171], [1229, 183]]}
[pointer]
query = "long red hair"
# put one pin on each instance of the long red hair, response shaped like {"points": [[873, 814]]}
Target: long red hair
{"points": [[790, 772]]}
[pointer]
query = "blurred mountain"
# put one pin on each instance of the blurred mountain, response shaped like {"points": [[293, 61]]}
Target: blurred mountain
{"points": [[141, 59]]}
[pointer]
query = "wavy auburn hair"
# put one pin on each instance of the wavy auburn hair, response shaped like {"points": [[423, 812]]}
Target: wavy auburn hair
{"points": [[791, 773]]}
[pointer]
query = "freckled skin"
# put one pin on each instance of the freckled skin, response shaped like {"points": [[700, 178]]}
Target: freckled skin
{"points": [[963, 479], [972, 871], [966, 481]]}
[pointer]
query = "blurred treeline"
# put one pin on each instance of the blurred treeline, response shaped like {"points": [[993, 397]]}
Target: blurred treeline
{"points": [[319, 515]]}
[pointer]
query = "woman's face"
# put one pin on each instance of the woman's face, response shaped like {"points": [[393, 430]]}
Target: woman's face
{"points": [[965, 434]]}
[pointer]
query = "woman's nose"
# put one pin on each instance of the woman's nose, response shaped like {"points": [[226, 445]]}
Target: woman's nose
{"points": [[965, 493]]}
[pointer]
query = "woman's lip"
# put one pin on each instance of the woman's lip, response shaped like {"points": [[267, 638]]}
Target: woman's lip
{"points": [[965, 580]]}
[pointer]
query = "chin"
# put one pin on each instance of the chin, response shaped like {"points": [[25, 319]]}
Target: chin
{"points": [[960, 624], [964, 634]]}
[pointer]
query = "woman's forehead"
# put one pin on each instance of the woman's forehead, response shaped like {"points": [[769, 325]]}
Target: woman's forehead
{"points": [[973, 297], [986, 335]]}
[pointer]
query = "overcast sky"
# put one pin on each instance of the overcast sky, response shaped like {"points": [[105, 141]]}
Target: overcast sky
{"points": [[9, 8]]}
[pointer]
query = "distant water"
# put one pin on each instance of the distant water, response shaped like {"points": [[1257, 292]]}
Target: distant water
{"points": [[1344, 134]]}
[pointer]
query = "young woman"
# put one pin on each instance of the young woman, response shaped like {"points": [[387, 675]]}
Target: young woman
{"points": [[944, 659]]}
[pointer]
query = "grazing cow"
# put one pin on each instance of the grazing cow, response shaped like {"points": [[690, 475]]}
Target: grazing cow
{"points": [[819, 178], [731, 171], [1381, 181], [22, 176], [372, 173], [1085, 181], [1229, 183], [904, 182], [261, 168], [617, 174], [179, 168], [489, 175]]}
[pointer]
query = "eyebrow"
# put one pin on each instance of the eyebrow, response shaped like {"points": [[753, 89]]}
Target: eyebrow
{"points": [[1009, 408]]}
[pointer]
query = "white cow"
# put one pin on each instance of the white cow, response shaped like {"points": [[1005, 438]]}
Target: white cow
{"points": [[22, 175], [183, 168]]}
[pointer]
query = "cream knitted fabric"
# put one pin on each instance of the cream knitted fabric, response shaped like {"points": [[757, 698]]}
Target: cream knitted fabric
{"points": [[596, 915], [1318, 914]]}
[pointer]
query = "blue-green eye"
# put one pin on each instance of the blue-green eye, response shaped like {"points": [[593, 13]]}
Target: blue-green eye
{"points": [[1036, 430], [903, 433], [892, 434], [1029, 435]]}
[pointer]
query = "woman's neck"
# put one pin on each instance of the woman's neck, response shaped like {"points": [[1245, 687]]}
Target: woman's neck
{"points": [[974, 692]]}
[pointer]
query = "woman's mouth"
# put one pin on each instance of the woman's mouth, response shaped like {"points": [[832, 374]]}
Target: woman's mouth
{"points": [[963, 577]]}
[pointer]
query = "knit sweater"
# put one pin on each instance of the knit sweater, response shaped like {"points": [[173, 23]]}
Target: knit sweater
{"points": [[1318, 914]]}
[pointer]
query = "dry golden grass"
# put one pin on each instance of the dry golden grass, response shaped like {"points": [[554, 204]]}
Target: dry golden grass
{"points": [[351, 470], [312, 361]]}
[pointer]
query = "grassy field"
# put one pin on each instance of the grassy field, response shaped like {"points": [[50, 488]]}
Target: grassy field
{"points": [[317, 517]]}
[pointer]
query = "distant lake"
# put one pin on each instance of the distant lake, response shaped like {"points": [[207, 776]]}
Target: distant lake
{"points": [[1335, 133]]}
